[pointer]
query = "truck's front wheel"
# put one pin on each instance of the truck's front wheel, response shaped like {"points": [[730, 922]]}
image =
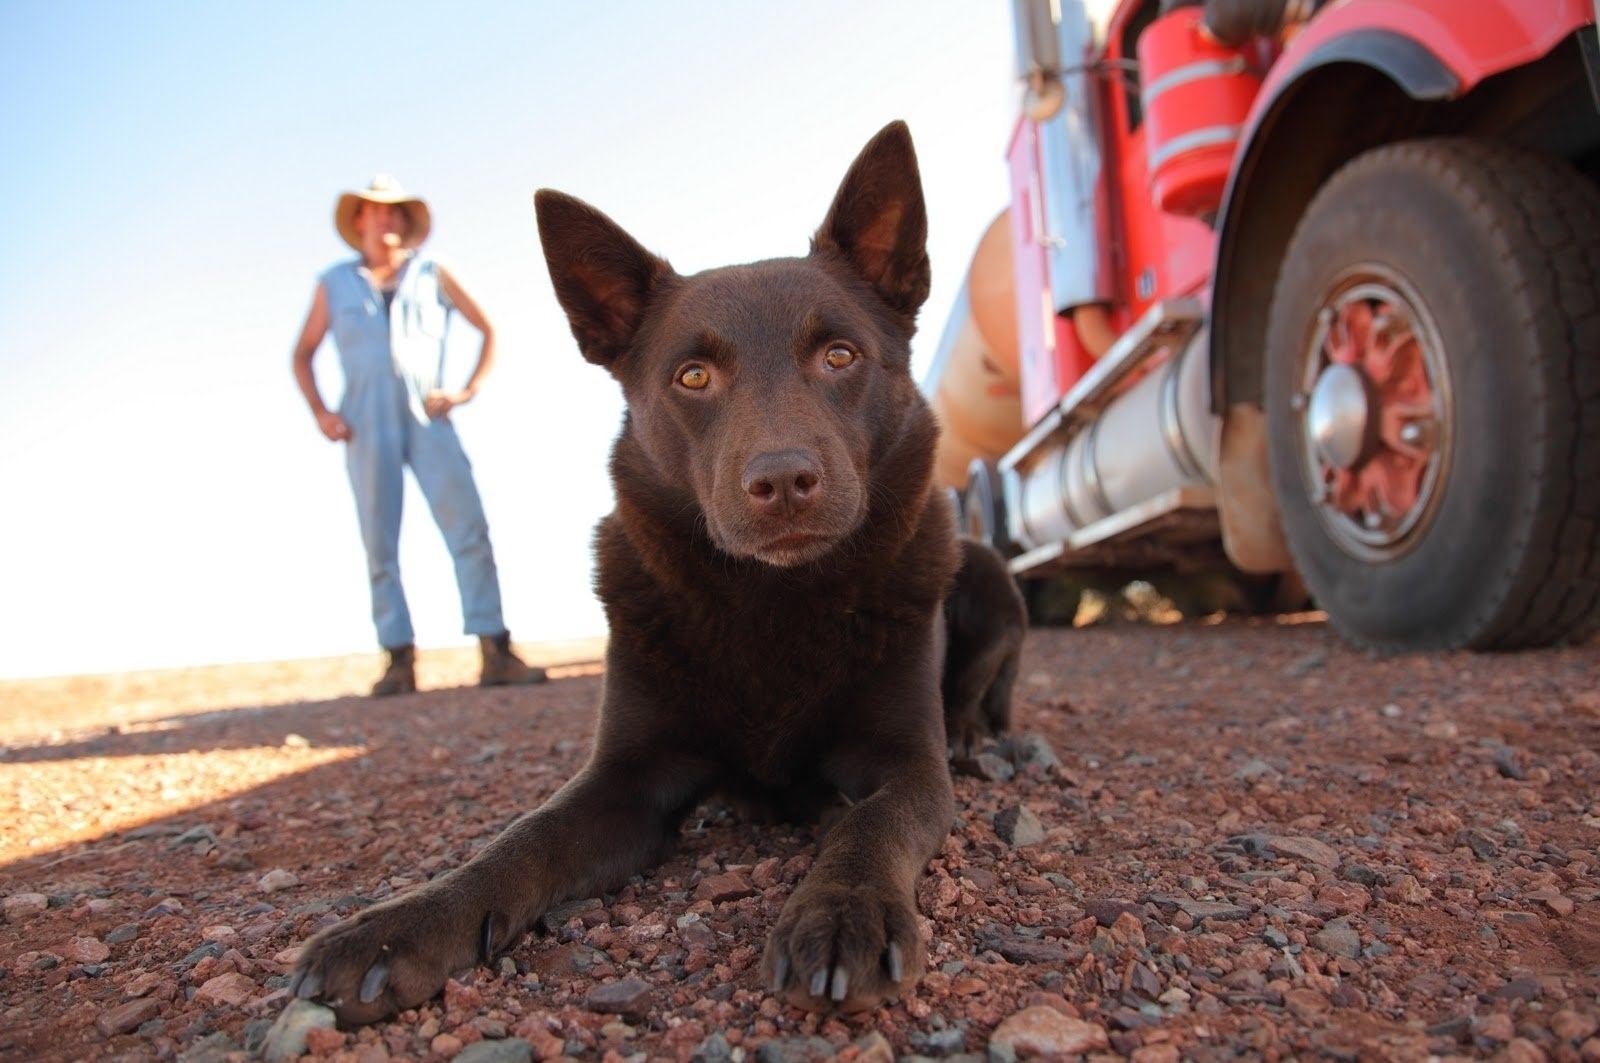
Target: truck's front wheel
{"points": [[1433, 397]]}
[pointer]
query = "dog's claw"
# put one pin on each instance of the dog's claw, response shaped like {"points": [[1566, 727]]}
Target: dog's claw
{"points": [[310, 985], [897, 962], [780, 977], [819, 982], [841, 984], [377, 977]]}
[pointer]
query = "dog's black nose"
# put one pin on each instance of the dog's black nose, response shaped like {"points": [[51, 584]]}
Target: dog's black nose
{"points": [[782, 481]]}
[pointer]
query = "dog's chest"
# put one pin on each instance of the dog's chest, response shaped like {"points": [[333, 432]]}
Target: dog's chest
{"points": [[774, 690]]}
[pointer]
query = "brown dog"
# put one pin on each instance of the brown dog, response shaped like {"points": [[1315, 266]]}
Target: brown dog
{"points": [[773, 576]]}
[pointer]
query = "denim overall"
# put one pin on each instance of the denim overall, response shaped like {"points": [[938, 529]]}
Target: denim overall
{"points": [[391, 360]]}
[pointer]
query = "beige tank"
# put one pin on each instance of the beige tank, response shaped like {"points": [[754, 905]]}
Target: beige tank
{"points": [[975, 387]]}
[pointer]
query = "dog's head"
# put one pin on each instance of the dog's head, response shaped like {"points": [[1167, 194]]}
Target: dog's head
{"points": [[769, 390]]}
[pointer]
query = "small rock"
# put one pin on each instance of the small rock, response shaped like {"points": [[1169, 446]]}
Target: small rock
{"points": [[1495, 1027], [1255, 769], [1360, 874], [1338, 938], [200, 836], [229, 990], [1145, 982], [943, 1042], [445, 1044], [1508, 762], [1519, 989], [214, 1048], [1163, 1053], [1042, 1031], [1481, 844], [1106, 910], [129, 1016], [141, 985], [1275, 937], [123, 934], [1570, 1026], [1222, 913], [1031, 754], [322, 1042], [515, 1050], [1306, 1003], [795, 1050], [1522, 1050], [277, 879], [985, 766], [1307, 849], [1445, 730], [1455, 1028], [255, 1034], [874, 1048], [631, 996], [287, 1038], [210, 948], [20, 906], [1407, 890], [719, 888], [88, 950], [714, 1049], [1018, 826], [165, 906], [1558, 905], [1018, 949]]}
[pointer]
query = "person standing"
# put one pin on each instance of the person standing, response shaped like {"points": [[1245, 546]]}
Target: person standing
{"points": [[389, 310]]}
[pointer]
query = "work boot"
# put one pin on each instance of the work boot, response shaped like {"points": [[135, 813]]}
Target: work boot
{"points": [[401, 675], [502, 667]]}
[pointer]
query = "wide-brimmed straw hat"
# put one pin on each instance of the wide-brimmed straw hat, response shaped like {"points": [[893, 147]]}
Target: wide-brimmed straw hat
{"points": [[382, 189]]}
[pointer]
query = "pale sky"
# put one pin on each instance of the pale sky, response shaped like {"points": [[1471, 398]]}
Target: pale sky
{"points": [[165, 207]]}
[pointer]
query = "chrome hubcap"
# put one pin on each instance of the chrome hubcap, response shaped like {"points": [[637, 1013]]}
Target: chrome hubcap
{"points": [[1336, 417], [1375, 414]]}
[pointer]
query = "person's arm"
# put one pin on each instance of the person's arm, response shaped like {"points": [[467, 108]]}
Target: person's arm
{"points": [[439, 403], [311, 334]]}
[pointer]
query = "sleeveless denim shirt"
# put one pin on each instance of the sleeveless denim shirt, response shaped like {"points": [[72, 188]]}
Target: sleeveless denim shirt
{"points": [[391, 358]]}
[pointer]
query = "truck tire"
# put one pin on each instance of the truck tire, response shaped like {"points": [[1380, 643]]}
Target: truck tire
{"points": [[1433, 398]]}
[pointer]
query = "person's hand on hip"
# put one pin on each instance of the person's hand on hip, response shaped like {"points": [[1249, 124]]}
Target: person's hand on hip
{"points": [[440, 403], [334, 427]]}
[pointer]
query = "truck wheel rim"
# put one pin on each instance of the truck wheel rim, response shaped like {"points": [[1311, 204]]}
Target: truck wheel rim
{"points": [[1375, 415]]}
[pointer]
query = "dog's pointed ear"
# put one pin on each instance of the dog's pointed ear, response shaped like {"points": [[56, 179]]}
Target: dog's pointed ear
{"points": [[603, 278], [878, 222]]}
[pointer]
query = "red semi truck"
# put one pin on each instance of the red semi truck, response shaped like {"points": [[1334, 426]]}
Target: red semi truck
{"points": [[1298, 288]]}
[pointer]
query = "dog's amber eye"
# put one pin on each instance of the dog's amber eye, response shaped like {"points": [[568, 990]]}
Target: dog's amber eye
{"points": [[839, 357], [694, 377]]}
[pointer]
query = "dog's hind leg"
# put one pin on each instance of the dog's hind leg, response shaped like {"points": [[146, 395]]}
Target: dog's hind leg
{"points": [[997, 698], [616, 817], [969, 677]]}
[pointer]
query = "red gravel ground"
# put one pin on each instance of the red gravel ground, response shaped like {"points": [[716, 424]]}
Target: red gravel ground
{"points": [[1258, 842]]}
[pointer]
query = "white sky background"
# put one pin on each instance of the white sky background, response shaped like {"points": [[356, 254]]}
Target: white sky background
{"points": [[165, 207]]}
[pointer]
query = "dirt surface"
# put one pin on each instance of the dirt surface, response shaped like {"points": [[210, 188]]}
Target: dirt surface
{"points": [[1256, 842]]}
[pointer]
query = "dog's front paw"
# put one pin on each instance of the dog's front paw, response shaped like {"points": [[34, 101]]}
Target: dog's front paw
{"points": [[846, 946], [393, 955]]}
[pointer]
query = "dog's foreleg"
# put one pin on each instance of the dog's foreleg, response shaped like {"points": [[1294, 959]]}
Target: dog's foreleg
{"points": [[617, 816], [849, 935]]}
